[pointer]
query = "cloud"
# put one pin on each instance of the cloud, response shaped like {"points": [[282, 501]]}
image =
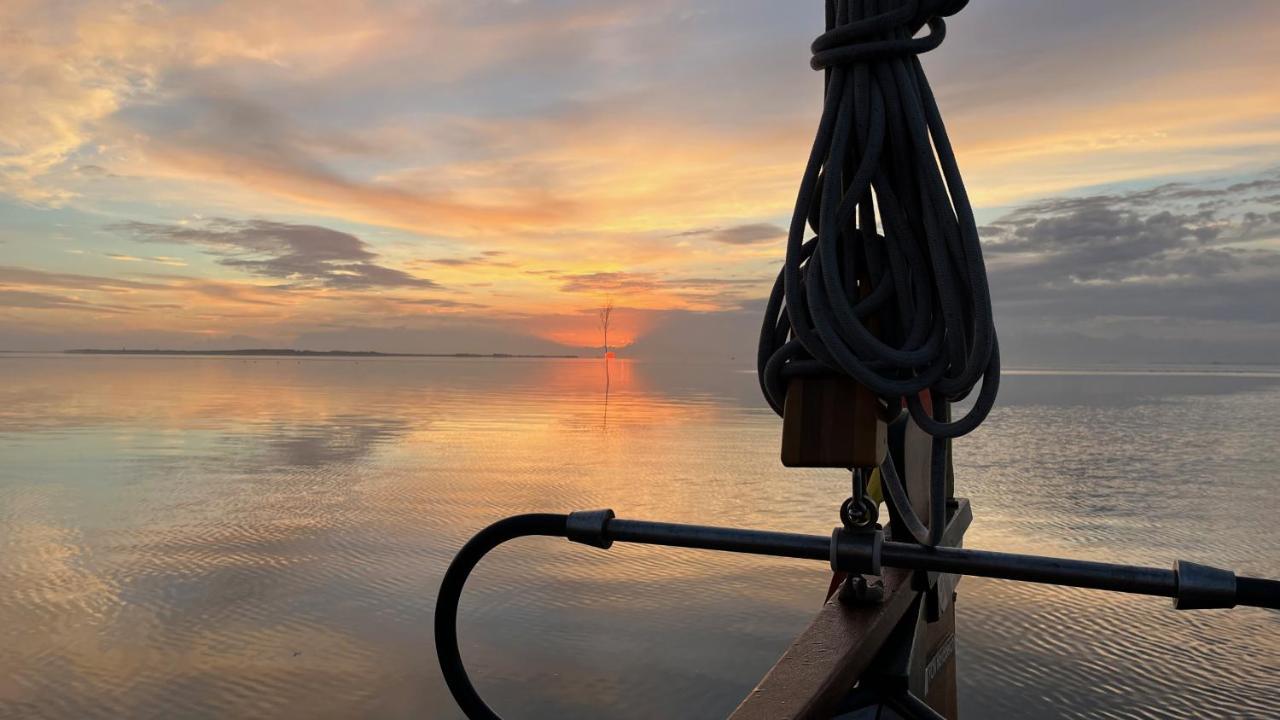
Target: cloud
{"points": [[749, 234], [66, 69], [609, 282], [640, 150], [1044, 98], [11, 275], [696, 232], [72, 288], [565, 103], [454, 262], [49, 301], [26, 289], [437, 303], [302, 254], [581, 172], [1175, 232], [490, 258], [234, 293], [1191, 261], [158, 259], [211, 129], [641, 288]]}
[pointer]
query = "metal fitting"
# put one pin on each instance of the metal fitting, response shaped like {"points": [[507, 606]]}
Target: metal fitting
{"points": [[857, 514], [856, 552], [1201, 587], [588, 527]]}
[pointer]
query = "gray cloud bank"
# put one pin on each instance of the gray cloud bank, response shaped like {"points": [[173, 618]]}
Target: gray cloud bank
{"points": [[1185, 272], [303, 254], [749, 234], [1178, 273]]}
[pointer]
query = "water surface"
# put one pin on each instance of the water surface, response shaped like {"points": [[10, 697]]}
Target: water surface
{"points": [[250, 537]]}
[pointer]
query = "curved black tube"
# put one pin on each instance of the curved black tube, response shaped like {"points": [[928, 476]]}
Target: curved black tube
{"points": [[455, 675], [1193, 586]]}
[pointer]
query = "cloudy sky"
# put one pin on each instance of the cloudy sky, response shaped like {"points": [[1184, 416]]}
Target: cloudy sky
{"points": [[478, 176]]}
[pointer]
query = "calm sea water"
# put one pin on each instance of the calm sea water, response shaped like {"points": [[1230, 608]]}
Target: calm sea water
{"points": [[228, 537]]}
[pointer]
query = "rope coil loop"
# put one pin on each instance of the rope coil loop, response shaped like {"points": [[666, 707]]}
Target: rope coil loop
{"points": [[883, 196]]}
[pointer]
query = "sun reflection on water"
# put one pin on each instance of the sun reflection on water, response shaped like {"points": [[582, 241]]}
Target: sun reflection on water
{"points": [[259, 536]]}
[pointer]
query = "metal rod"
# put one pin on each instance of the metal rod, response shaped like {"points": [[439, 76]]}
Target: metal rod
{"points": [[756, 542], [1191, 585], [1032, 568]]}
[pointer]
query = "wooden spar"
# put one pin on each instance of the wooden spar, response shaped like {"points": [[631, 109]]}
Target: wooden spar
{"points": [[846, 640], [825, 661]]}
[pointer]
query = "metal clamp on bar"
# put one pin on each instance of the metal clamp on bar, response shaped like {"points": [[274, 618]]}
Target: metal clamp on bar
{"points": [[856, 552]]}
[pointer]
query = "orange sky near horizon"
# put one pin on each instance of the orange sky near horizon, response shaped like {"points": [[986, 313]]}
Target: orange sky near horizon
{"points": [[225, 173]]}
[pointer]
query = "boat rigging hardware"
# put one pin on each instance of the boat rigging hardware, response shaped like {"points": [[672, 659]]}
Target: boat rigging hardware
{"points": [[859, 511], [882, 302], [1191, 585]]}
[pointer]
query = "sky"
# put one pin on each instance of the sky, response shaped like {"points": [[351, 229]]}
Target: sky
{"points": [[482, 176]]}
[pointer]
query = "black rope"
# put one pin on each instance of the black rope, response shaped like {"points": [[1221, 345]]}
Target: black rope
{"points": [[882, 159]]}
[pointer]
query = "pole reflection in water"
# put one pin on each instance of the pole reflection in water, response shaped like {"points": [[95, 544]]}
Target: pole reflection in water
{"points": [[608, 358], [234, 537]]}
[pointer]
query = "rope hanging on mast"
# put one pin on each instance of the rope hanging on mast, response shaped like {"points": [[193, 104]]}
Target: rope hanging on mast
{"points": [[883, 196], [881, 157]]}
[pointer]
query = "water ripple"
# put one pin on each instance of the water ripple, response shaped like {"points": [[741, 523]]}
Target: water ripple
{"points": [[220, 538]]}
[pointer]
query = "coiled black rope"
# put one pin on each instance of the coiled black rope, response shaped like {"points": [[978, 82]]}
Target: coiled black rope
{"points": [[882, 158]]}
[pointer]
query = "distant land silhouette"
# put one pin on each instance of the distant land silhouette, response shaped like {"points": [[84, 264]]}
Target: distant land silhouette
{"points": [[271, 352]]}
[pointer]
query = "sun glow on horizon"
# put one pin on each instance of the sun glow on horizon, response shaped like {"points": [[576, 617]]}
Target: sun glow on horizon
{"points": [[279, 178]]}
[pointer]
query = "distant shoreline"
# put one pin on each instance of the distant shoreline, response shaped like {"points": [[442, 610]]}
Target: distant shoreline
{"points": [[268, 352]]}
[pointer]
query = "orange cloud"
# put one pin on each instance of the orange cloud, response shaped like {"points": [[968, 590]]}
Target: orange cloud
{"points": [[520, 166]]}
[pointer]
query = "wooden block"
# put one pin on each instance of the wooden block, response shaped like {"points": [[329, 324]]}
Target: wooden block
{"points": [[831, 421]]}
